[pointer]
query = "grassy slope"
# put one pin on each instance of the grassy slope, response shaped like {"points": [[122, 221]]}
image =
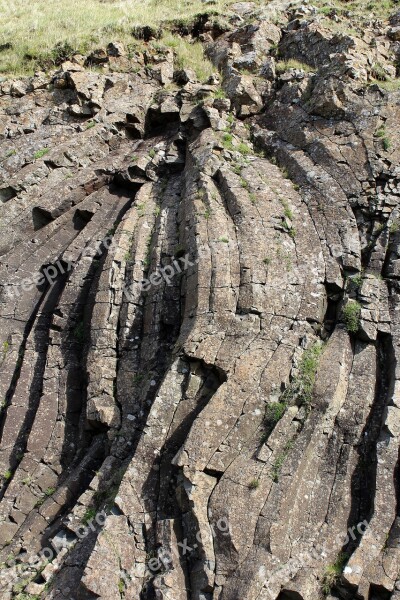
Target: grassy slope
{"points": [[33, 30]]}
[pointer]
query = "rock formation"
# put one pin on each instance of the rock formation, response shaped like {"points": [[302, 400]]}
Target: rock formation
{"points": [[200, 317]]}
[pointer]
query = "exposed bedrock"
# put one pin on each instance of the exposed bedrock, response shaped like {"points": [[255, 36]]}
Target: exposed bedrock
{"points": [[199, 309]]}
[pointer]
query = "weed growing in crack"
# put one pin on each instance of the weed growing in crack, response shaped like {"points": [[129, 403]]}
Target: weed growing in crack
{"points": [[253, 198], [274, 411], [6, 347], [333, 572], [152, 153], [300, 389], [382, 134], [89, 515], [287, 211], [223, 239], [254, 484], [41, 153], [7, 475], [219, 94], [227, 141], [352, 315], [244, 149], [280, 459]]}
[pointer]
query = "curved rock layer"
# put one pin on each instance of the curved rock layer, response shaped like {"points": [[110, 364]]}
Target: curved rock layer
{"points": [[200, 320]]}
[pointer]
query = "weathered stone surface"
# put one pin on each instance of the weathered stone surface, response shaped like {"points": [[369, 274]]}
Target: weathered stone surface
{"points": [[184, 413]]}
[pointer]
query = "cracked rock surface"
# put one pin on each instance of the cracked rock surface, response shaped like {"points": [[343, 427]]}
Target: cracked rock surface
{"points": [[200, 319]]}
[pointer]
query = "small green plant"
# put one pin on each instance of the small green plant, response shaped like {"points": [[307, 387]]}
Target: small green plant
{"points": [[244, 183], [9, 154], [157, 211], [41, 153], [280, 459], [237, 169], [152, 153], [244, 149], [333, 572], [379, 73], [219, 93], [207, 214], [49, 491], [387, 144], [6, 347], [223, 239], [27, 480], [274, 412], [254, 484], [89, 515], [141, 209], [121, 586], [227, 141], [138, 378], [90, 124], [382, 134], [287, 211], [266, 261], [253, 198], [351, 316], [8, 475], [301, 387]]}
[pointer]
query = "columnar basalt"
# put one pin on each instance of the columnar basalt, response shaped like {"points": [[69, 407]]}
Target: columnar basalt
{"points": [[199, 318]]}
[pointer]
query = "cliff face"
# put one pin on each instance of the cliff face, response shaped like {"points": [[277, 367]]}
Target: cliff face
{"points": [[200, 319]]}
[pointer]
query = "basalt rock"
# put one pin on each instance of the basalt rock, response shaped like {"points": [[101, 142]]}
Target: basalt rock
{"points": [[199, 309]]}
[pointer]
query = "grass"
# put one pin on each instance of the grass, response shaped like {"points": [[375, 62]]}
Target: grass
{"points": [[89, 515], [227, 141], [382, 134], [301, 387], [254, 484], [41, 153], [189, 55], [51, 30], [8, 475], [362, 8], [280, 459], [351, 316], [333, 572], [284, 65], [6, 347], [287, 211]]}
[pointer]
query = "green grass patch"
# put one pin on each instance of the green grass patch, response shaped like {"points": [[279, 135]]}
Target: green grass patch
{"points": [[41, 153], [300, 389], [333, 572], [351, 316]]}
